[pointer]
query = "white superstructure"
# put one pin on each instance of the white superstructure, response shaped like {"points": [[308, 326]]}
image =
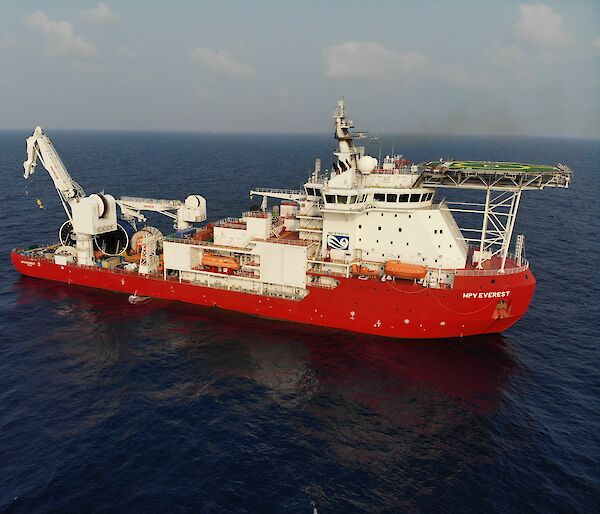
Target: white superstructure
{"points": [[364, 212]]}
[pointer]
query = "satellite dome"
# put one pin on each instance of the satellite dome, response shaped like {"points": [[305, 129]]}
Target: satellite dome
{"points": [[366, 164]]}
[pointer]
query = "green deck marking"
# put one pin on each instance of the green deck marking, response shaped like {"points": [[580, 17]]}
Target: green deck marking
{"points": [[491, 166]]}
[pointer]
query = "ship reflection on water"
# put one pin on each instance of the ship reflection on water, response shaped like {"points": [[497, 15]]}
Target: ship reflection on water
{"points": [[376, 404], [292, 362]]}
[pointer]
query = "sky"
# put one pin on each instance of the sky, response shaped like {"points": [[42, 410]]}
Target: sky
{"points": [[437, 66]]}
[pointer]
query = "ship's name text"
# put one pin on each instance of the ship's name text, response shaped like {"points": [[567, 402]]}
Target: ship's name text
{"points": [[488, 294]]}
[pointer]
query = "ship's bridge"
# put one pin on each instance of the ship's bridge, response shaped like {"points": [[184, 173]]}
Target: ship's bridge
{"points": [[359, 200]]}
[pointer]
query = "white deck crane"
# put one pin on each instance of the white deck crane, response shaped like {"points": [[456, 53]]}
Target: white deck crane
{"points": [[97, 214], [193, 210], [89, 215]]}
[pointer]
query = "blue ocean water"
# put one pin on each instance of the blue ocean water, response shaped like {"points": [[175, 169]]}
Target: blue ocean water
{"points": [[166, 407]]}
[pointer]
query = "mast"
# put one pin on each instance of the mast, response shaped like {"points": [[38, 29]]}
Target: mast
{"points": [[347, 153]]}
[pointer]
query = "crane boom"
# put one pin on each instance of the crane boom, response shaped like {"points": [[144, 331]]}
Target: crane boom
{"points": [[40, 147], [191, 211]]}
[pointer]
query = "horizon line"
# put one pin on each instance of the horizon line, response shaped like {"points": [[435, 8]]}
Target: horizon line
{"points": [[302, 133]]}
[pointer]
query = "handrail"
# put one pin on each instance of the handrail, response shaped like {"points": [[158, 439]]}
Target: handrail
{"points": [[489, 272], [295, 242], [227, 248], [256, 214]]}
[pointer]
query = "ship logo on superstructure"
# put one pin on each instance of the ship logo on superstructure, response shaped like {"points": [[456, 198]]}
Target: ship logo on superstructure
{"points": [[338, 241]]}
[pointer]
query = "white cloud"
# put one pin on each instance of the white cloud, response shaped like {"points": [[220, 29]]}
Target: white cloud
{"points": [[369, 60], [100, 15], [596, 46], [412, 62], [506, 56], [455, 74], [540, 26], [357, 60], [221, 62], [61, 36], [461, 76]]}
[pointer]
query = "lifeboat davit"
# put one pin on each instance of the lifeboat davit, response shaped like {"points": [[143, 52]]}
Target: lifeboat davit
{"points": [[219, 261], [404, 270], [363, 271]]}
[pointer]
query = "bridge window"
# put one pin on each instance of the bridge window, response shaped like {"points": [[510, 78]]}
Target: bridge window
{"points": [[391, 198], [403, 198], [379, 197], [330, 198], [342, 199], [415, 198], [353, 199]]}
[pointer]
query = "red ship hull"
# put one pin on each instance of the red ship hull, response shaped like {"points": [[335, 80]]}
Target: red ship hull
{"points": [[398, 308]]}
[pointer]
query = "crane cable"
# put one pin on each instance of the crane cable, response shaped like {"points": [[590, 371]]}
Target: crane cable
{"points": [[38, 200]]}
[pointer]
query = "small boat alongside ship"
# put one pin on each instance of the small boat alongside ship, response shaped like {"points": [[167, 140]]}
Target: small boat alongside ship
{"points": [[365, 246], [134, 299]]}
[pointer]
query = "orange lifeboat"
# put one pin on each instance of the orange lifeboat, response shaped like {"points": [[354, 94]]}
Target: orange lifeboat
{"points": [[219, 261], [363, 271], [404, 270]]}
